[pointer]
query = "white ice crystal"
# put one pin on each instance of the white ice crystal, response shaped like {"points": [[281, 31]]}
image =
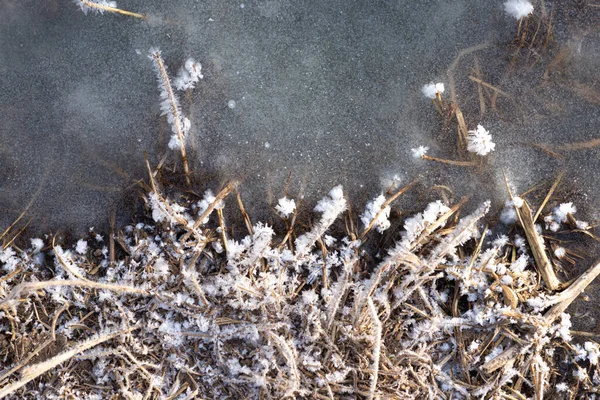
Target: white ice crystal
{"points": [[432, 89], [37, 244], [372, 209], [593, 352], [188, 75], [561, 212], [562, 387], [580, 373], [560, 252], [82, 246], [517, 201], [508, 215], [419, 152], [8, 257], [518, 8], [500, 241], [582, 225], [480, 142], [285, 207]]}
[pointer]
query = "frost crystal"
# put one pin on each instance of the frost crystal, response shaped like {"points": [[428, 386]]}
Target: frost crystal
{"points": [[480, 141], [560, 252], [37, 244], [431, 90], [518, 8], [561, 212], [285, 207], [582, 225], [188, 75], [81, 247], [562, 387], [419, 152]]}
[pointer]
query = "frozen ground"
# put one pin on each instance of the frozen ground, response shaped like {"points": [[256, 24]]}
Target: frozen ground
{"points": [[323, 92]]}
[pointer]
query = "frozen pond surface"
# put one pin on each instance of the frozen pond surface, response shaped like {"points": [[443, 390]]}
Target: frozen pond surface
{"points": [[320, 92]]}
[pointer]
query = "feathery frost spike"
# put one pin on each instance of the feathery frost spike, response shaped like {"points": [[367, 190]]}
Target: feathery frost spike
{"points": [[331, 206], [285, 207], [373, 208], [464, 231]]}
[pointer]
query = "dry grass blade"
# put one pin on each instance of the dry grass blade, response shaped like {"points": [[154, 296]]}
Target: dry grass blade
{"points": [[454, 65], [425, 235], [588, 144], [463, 231], [567, 296], [451, 162], [536, 243], [489, 86], [376, 348], [548, 196]]}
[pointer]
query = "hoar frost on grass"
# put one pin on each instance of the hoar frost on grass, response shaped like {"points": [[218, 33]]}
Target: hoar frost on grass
{"points": [[168, 315]]}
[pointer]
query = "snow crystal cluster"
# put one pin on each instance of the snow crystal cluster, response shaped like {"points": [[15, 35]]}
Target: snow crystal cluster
{"points": [[561, 214], [432, 90], [285, 207], [479, 141]]}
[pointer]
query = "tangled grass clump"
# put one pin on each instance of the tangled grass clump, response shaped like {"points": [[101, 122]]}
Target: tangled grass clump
{"points": [[174, 308]]}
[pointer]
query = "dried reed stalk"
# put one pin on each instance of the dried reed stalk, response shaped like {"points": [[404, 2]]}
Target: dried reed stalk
{"points": [[536, 243]]}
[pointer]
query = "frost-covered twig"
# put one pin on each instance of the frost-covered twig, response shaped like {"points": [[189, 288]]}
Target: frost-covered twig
{"points": [[331, 206], [464, 231], [171, 108], [100, 6], [25, 288], [376, 348], [30, 373]]}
